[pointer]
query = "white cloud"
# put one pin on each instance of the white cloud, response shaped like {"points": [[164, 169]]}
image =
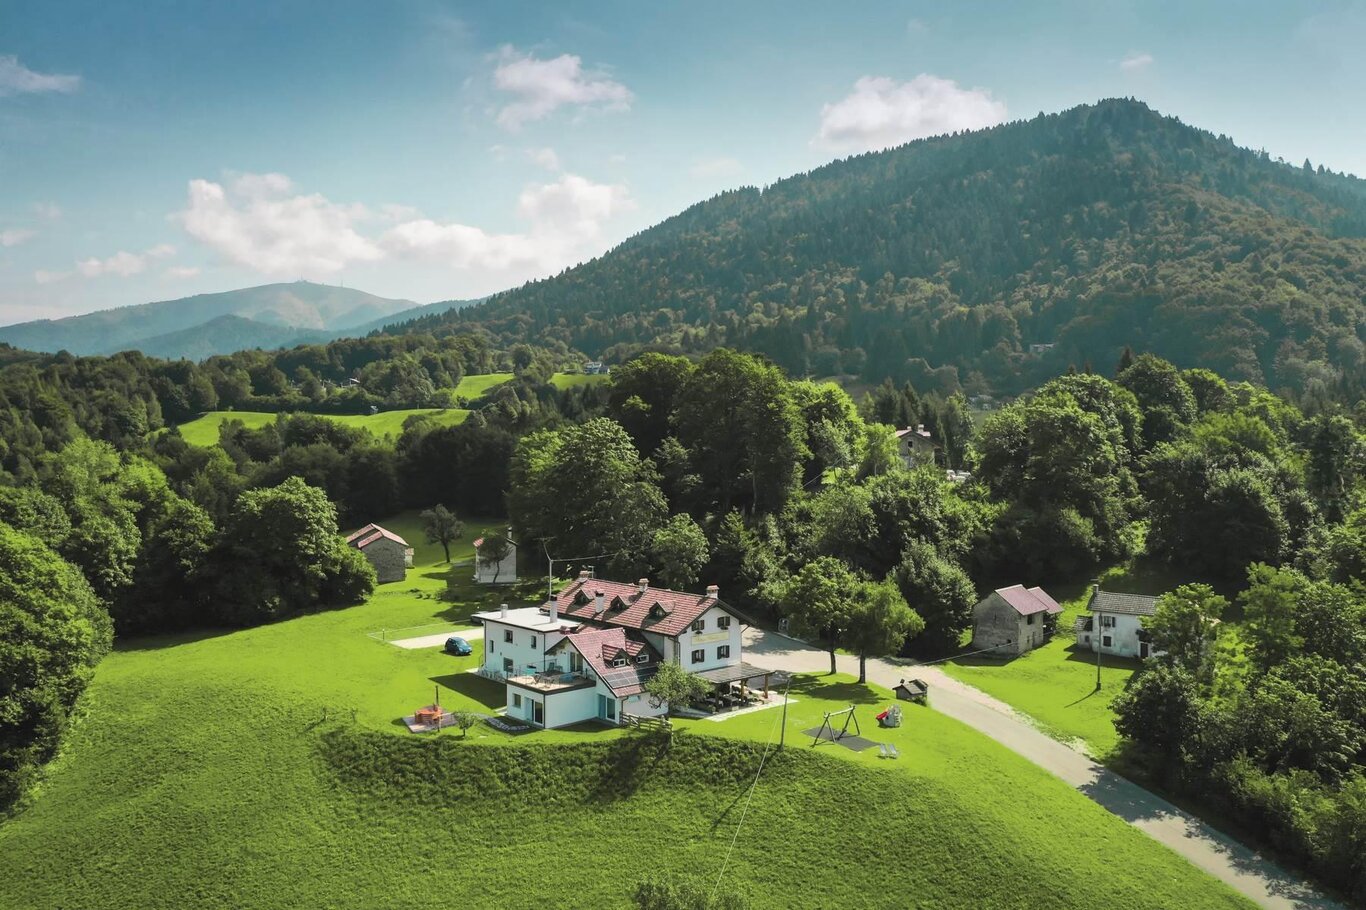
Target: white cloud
{"points": [[181, 271], [256, 222], [545, 157], [1135, 62], [541, 86], [565, 221], [917, 27], [17, 79], [47, 211], [123, 263], [713, 168], [14, 236], [260, 221], [43, 276], [881, 113]]}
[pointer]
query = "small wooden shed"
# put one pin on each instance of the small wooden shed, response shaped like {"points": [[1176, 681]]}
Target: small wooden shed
{"points": [[912, 690]]}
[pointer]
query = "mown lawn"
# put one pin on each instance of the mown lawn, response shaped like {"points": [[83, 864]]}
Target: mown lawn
{"points": [[564, 381], [471, 387], [1056, 684], [203, 430], [265, 768]]}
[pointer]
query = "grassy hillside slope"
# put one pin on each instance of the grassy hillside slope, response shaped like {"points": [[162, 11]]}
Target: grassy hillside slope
{"points": [[264, 768], [203, 431]]}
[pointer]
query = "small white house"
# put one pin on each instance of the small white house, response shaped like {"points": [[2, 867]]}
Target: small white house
{"points": [[915, 445], [1115, 625], [589, 651], [489, 571]]}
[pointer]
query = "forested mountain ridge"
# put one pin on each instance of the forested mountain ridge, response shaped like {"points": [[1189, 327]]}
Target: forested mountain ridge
{"points": [[268, 316], [944, 260]]}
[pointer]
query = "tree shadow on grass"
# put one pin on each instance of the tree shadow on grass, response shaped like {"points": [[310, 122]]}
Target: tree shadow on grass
{"points": [[847, 692], [985, 660], [1078, 654], [157, 642], [626, 764], [474, 687]]}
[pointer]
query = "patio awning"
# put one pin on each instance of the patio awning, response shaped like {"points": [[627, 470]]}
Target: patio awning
{"points": [[741, 672]]}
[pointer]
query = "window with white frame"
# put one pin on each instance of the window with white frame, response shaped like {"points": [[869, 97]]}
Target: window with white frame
{"points": [[516, 700], [1107, 622], [699, 655], [723, 623], [1106, 640], [533, 641], [507, 636], [723, 652], [699, 625], [507, 664]]}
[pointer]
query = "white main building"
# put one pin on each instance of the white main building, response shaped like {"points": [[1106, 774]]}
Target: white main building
{"points": [[587, 653]]}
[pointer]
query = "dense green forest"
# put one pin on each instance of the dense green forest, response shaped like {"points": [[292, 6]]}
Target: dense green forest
{"points": [[942, 262]]}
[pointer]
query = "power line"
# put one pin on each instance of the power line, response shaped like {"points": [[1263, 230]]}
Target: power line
{"points": [[748, 799]]}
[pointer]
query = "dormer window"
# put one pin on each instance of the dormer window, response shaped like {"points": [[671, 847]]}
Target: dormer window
{"points": [[642, 658], [619, 662], [618, 603], [657, 610], [581, 597]]}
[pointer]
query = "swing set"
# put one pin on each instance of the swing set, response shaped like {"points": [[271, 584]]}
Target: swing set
{"points": [[827, 724]]}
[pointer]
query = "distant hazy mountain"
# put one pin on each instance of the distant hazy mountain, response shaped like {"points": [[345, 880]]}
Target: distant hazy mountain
{"points": [[269, 316], [401, 319]]}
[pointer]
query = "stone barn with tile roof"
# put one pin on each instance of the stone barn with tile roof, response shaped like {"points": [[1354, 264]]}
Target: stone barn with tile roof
{"points": [[1011, 621], [388, 553]]}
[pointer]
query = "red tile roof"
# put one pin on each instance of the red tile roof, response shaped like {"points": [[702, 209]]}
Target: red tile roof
{"points": [[657, 610], [601, 647], [1028, 601], [371, 533]]}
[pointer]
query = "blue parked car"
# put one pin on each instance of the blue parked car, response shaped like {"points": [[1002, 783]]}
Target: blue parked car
{"points": [[458, 646]]}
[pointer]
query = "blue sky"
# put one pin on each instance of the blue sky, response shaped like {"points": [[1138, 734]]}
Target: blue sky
{"points": [[431, 150]]}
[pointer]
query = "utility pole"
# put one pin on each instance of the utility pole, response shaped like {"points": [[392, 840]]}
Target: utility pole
{"points": [[1095, 621], [782, 731]]}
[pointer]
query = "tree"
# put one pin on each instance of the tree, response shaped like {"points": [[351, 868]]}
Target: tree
{"points": [[1159, 707], [940, 592], [587, 490], [1166, 401], [464, 720], [678, 552], [879, 623], [820, 599], [442, 526], [1185, 625], [673, 686], [280, 553], [737, 418], [53, 630], [662, 893], [494, 549], [1269, 605], [643, 394]]}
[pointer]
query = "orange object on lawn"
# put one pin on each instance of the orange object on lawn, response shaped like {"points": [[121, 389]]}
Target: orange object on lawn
{"points": [[430, 714]]}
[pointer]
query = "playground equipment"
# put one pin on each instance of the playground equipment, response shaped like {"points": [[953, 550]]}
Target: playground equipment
{"points": [[844, 730], [891, 717]]}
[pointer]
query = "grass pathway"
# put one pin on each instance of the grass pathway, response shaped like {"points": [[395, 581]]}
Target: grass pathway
{"points": [[1227, 860]]}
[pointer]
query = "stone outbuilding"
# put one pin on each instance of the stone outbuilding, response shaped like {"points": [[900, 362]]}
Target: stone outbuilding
{"points": [[388, 553], [1014, 620]]}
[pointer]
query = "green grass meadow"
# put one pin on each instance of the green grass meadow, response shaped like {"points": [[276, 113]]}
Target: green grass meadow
{"points": [[266, 768], [203, 430]]}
